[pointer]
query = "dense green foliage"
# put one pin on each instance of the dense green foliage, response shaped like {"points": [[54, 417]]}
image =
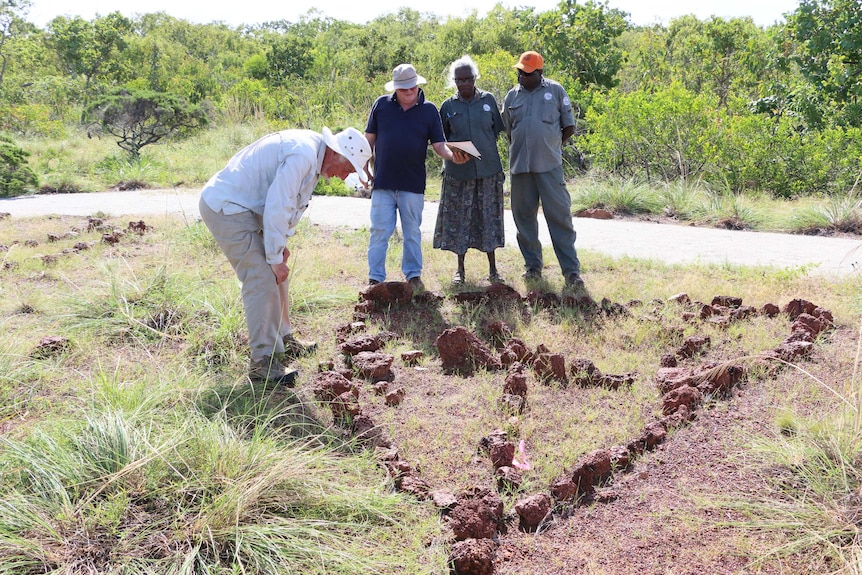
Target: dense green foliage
{"points": [[829, 34], [15, 177], [772, 109], [682, 130]]}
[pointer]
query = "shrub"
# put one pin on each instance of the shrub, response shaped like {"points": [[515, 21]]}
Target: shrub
{"points": [[839, 213], [682, 199], [245, 100], [772, 154], [674, 134], [29, 120], [665, 135], [332, 187], [16, 178], [141, 117], [620, 196]]}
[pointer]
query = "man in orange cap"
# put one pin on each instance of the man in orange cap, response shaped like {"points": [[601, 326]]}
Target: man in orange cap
{"points": [[538, 118]]}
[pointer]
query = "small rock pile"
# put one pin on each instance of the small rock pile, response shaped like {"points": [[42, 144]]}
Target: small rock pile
{"points": [[337, 386], [110, 235]]}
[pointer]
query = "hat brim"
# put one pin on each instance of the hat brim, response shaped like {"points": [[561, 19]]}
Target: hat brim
{"points": [[392, 85], [527, 69], [331, 142]]}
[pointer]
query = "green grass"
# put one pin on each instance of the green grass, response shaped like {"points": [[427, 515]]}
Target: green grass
{"points": [[626, 197], [143, 444], [816, 505], [195, 495], [841, 214], [701, 204]]}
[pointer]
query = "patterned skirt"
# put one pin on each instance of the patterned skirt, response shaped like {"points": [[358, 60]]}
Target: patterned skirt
{"points": [[470, 215]]}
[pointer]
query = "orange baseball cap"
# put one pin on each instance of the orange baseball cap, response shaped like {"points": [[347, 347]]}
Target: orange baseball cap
{"points": [[530, 61]]}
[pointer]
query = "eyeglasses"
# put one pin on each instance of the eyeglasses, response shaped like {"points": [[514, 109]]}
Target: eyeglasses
{"points": [[467, 80], [527, 74]]}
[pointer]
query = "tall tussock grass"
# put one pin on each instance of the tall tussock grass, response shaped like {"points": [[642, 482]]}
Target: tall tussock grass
{"points": [[117, 493]]}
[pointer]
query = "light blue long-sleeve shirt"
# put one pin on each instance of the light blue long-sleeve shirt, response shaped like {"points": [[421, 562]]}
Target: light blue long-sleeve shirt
{"points": [[273, 178]]}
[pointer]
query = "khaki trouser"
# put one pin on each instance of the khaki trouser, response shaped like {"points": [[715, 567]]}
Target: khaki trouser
{"points": [[265, 302]]}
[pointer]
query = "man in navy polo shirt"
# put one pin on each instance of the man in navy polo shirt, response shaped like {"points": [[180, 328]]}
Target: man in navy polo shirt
{"points": [[399, 128]]}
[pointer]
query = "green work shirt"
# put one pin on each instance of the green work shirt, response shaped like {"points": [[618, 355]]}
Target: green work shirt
{"points": [[535, 122], [479, 121]]}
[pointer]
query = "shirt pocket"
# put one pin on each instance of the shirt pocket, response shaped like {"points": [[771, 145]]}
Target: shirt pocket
{"points": [[549, 112], [459, 127], [516, 113]]}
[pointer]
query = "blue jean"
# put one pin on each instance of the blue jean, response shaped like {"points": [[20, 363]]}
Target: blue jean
{"points": [[550, 188], [386, 205]]}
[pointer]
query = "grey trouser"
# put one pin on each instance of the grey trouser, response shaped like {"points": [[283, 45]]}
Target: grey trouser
{"points": [[265, 302], [549, 187]]}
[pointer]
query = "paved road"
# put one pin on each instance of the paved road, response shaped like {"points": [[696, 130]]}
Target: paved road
{"points": [[833, 257]]}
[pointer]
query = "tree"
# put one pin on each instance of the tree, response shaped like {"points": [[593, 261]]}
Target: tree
{"points": [[90, 49], [196, 61], [389, 40], [645, 65], [138, 118], [581, 42], [289, 56], [727, 59], [829, 33], [735, 56], [10, 12], [508, 30]]}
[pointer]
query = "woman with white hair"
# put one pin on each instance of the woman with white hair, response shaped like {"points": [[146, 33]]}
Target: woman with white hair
{"points": [[470, 214]]}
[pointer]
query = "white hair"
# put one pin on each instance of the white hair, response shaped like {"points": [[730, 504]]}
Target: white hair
{"points": [[464, 61]]}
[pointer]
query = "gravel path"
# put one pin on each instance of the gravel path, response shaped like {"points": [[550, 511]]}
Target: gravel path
{"points": [[830, 257]]}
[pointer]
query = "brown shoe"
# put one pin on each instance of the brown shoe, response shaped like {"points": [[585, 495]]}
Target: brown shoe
{"points": [[270, 370], [418, 286], [294, 348]]}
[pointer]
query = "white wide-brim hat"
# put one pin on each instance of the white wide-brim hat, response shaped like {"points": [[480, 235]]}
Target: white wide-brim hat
{"points": [[404, 76], [351, 144]]}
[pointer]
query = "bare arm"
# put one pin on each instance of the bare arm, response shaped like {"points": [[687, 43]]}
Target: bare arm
{"points": [[442, 150], [372, 138], [567, 133]]}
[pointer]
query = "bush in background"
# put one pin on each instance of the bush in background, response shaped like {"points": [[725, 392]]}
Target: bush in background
{"points": [[673, 134], [16, 178], [332, 187], [661, 136]]}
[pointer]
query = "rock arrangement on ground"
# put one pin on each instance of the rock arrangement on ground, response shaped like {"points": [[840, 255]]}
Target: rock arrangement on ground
{"points": [[476, 516]]}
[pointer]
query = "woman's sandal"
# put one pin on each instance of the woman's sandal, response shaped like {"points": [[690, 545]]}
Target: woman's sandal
{"points": [[458, 278]]}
